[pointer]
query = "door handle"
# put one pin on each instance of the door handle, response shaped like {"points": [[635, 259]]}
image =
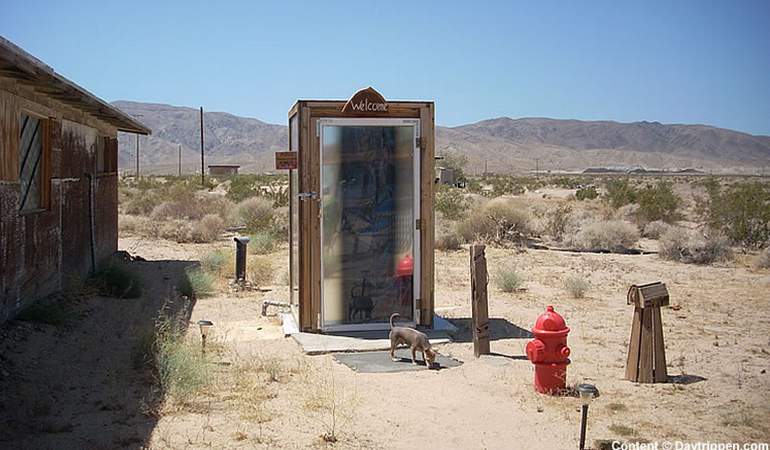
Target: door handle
{"points": [[307, 195]]}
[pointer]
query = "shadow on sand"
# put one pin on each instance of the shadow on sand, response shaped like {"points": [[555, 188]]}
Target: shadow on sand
{"points": [[498, 329], [81, 384]]}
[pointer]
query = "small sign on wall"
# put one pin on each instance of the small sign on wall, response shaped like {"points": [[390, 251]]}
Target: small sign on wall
{"points": [[285, 160]]}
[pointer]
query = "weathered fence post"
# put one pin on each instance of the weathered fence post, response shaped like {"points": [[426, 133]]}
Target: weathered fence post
{"points": [[240, 258], [479, 307]]}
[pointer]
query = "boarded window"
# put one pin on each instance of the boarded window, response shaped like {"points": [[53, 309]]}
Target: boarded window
{"points": [[31, 160]]}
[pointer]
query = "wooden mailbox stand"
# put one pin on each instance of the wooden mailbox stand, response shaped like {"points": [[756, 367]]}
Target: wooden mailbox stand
{"points": [[646, 350], [307, 119], [479, 301]]}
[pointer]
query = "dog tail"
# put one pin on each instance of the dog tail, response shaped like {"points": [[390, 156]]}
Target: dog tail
{"points": [[393, 317]]}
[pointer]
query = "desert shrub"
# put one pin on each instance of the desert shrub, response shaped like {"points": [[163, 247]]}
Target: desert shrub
{"points": [[658, 202], [281, 224], [189, 206], [508, 279], [586, 193], [179, 364], [262, 243], [256, 214], [556, 220], [620, 192], [215, 262], [679, 244], [610, 235], [208, 229], [576, 286], [142, 204], [197, 283], [448, 240], [762, 261], [259, 270], [741, 212], [242, 187], [498, 221], [450, 202], [175, 230], [654, 230], [113, 279]]}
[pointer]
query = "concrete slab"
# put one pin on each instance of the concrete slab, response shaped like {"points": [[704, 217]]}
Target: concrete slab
{"points": [[380, 362], [357, 341]]}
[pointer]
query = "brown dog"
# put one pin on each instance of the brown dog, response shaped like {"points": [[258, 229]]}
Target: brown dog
{"points": [[416, 340]]}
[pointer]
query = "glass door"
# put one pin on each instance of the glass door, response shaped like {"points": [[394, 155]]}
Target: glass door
{"points": [[370, 244]]}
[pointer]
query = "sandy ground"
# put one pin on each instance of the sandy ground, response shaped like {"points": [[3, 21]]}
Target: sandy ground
{"points": [[717, 343]]}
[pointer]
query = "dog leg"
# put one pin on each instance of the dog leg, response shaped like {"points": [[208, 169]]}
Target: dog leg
{"points": [[414, 356], [392, 350]]}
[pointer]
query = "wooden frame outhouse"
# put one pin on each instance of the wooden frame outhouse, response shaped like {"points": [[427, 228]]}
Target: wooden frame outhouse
{"points": [[361, 212]]}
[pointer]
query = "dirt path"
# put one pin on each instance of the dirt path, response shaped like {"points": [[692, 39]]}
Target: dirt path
{"points": [[717, 347]]}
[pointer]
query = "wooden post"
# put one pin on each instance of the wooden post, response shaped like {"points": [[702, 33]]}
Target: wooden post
{"points": [[203, 171], [646, 361], [479, 307]]}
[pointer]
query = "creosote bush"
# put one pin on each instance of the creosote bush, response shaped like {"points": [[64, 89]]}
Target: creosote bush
{"points": [[586, 193], [620, 192], [450, 202], [507, 279], [687, 246], [741, 212]]}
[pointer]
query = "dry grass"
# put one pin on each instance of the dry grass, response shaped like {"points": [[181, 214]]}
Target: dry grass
{"points": [[497, 222], [331, 405], [656, 229], [576, 286], [259, 270]]}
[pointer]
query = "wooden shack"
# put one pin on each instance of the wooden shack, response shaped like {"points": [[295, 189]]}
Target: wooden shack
{"points": [[361, 212], [58, 179]]}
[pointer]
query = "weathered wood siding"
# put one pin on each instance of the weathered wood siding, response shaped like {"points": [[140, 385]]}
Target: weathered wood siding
{"points": [[42, 251]]}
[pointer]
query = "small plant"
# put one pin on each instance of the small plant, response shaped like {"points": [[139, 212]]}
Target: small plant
{"points": [[508, 280], [576, 286], [333, 405], [262, 243], [556, 221], [216, 261], [179, 364], [208, 229], [259, 270], [622, 430], [197, 283], [586, 193], [115, 280]]}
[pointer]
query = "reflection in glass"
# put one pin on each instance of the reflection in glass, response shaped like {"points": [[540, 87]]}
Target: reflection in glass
{"points": [[367, 182]]}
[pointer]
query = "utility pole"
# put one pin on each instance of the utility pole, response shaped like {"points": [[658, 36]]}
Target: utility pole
{"points": [[537, 167], [137, 147], [180, 160], [137, 155], [203, 173]]}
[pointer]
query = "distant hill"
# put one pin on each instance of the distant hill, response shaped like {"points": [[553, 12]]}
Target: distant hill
{"points": [[505, 144]]}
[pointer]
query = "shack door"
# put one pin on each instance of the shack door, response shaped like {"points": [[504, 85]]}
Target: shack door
{"points": [[370, 241]]}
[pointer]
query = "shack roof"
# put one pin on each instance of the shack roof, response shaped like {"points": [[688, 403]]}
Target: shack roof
{"points": [[18, 64]]}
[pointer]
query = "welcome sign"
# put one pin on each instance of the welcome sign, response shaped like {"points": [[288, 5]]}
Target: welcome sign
{"points": [[366, 101]]}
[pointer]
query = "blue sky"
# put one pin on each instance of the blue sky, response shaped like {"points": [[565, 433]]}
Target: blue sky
{"points": [[674, 62]]}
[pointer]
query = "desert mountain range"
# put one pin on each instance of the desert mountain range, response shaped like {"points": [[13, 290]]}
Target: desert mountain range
{"points": [[503, 144]]}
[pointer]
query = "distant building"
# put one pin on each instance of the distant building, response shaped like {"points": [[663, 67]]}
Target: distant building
{"points": [[58, 179], [223, 169]]}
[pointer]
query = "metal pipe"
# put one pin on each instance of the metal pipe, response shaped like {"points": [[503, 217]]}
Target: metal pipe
{"points": [[240, 258], [203, 173], [583, 421]]}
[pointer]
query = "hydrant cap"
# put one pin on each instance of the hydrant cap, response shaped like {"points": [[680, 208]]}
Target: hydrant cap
{"points": [[550, 320]]}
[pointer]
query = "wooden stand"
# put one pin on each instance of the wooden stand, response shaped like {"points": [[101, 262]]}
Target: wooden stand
{"points": [[646, 350], [479, 307]]}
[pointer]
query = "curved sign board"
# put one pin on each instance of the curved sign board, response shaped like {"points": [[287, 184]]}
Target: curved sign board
{"points": [[366, 102]]}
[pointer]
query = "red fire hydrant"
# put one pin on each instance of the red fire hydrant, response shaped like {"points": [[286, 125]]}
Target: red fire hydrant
{"points": [[549, 353]]}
